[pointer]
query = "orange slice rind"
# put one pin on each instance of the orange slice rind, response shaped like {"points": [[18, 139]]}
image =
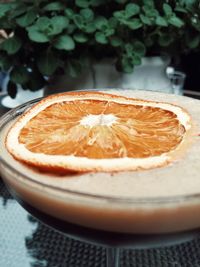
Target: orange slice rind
{"points": [[96, 131]]}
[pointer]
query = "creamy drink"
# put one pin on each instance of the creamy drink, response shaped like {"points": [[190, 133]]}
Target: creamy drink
{"points": [[159, 200]]}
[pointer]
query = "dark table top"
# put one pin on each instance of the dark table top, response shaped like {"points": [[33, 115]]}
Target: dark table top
{"points": [[26, 242]]}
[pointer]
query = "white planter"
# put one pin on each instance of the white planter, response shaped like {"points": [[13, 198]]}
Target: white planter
{"points": [[105, 75], [151, 75]]}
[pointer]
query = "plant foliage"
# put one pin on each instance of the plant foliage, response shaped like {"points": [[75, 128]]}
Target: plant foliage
{"points": [[54, 37]]}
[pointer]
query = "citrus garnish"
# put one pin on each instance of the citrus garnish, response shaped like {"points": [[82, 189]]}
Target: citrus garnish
{"points": [[96, 131]]}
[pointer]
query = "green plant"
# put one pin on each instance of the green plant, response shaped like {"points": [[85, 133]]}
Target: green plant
{"points": [[56, 37]]}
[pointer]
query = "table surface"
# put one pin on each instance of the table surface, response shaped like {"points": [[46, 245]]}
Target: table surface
{"points": [[26, 242]]}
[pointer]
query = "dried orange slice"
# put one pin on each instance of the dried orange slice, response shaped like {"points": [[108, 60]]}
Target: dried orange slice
{"points": [[96, 131]]}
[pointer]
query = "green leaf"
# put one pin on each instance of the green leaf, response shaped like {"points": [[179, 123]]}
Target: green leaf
{"points": [[90, 28], [137, 60], [149, 3], [87, 14], [108, 32], [129, 50], [43, 23], [127, 65], [19, 75], [139, 48], [167, 9], [64, 42], [134, 24], [132, 10], [82, 3], [59, 23], [113, 23], [84, 24], [150, 12], [35, 35], [79, 21], [4, 8], [101, 38], [74, 68], [187, 2], [193, 41], [71, 28], [146, 20], [119, 15], [180, 9], [175, 21], [48, 63], [19, 10], [27, 19], [11, 45], [101, 22], [54, 6], [80, 37], [160, 21], [51, 26], [165, 40], [5, 62], [116, 41], [69, 13]]}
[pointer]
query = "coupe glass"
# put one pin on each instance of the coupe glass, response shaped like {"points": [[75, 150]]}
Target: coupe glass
{"points": [[101, 220]]}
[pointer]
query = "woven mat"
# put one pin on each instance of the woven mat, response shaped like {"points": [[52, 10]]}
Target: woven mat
{"points": [[25, 242]]}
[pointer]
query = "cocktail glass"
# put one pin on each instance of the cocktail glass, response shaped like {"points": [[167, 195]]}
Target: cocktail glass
{"points": [[177, 79], [112, 222]]}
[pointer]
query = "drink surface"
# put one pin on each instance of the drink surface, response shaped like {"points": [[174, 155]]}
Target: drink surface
{"points": [[178, 179]]}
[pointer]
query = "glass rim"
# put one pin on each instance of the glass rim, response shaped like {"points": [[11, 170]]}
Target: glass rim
{"points": [[15, 112], [177, 74]]}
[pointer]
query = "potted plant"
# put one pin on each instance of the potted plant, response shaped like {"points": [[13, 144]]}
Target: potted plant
{"points": [[47, 39]]}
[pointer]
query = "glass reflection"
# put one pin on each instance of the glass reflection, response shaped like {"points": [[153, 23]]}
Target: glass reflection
{"points": [[14, 227], [25, 242]]}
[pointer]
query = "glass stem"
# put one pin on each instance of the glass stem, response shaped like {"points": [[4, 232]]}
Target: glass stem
{"points": [[112, 255]]}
